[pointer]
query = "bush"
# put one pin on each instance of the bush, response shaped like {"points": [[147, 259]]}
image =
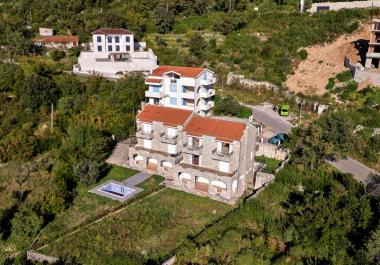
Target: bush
{"points": [[330, 85], [344, 76], [57, 55], [87, 171], [302, 54]]}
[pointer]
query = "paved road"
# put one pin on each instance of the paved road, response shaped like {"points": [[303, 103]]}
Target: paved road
{"points": [[358, 170], [270, 119]]}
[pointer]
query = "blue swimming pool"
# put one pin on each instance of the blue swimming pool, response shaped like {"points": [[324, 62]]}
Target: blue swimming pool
{"points": [[117, 189]]}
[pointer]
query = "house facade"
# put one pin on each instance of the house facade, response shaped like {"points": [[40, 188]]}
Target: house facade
{"points": [[112, 54], [57, 42], [207, 156], [189, 88]]}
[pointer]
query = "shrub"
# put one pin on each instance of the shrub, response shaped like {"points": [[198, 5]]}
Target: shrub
{"points": [[302, 54], [57, 55], [330, 85], [344, 76], [87, 171]]}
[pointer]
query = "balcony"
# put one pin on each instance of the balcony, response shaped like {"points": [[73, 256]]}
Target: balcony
{"points": [[209, 105], [226, 157], [208, 81], [207, 93], [145, 135], [151, 94], [193, 150], [168, 139], [188, 94]]}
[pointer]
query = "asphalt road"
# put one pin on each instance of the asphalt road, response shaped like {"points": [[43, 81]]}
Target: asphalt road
{"points": [[270, 119], [359, 171]]}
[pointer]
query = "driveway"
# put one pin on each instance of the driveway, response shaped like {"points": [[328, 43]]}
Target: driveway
{"points": [[359, 171], [273, 122]]}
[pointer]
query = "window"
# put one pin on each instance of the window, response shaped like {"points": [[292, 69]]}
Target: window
{"points": [[117, 39], [99, 48], [173, 87], [128, 48], [117, 48], [224, 148], [147, 144], [110, 48], [171, 148], [173, 101], [224, 166], [147, 127], [127, 39], [156, 88], [183, 102], [172, 132], [184, 89], [99, 38], [109, 39]]}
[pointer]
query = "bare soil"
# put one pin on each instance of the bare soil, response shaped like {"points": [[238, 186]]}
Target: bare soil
{"points": [[325, 61]]}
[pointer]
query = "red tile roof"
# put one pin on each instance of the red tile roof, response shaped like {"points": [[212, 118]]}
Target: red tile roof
{"points": [[222, 130], [153, 80], [111, 31], [58, 39], [183, 71], [166, 115]]}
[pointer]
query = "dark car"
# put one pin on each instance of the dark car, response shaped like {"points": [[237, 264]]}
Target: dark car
{"points": [[278, 138]]}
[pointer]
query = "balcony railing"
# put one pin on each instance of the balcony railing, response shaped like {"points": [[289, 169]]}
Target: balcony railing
{"points": [[207, 106], [145, 135], [224, 156], [207, 93], [208, 81], [168, 139], [192, 149], [152, 94]]}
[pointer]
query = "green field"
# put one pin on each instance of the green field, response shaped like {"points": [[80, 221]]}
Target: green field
{"points": [[156, 225], [271, 164], [86, 206]]}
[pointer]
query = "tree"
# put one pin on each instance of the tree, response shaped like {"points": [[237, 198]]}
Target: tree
{"points": [[164, 18], [10, 77], [57, 55], [25, 226], [197, 45], [38, 91], [373, 248], [87, 171]]}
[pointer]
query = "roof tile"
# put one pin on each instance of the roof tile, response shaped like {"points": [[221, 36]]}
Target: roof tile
{"points": [[222, 130], [166, 115], [111, 31], [182, 70]]}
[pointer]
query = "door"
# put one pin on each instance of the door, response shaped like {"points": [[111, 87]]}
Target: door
{"points": [[201, 184], [152, 164], [195, 160]]}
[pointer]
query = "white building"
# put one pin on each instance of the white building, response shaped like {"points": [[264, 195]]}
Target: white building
{"points": [[46, 32], [189, 88], [113, 53]]}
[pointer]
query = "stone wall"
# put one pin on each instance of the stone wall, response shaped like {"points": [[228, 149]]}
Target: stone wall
{"points": [[344, 5], [35, 256], [361, 74], [240, 79]]}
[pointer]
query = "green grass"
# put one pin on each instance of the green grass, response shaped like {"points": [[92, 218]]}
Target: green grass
{"points": [[85, 207], [156, 225], [271, 164]]}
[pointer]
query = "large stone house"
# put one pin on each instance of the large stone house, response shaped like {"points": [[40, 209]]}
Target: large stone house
{"points": [[114, 52], [188, 88], [208, 156]]}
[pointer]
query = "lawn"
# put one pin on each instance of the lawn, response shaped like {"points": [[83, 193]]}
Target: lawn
{"points": [[86, 206], [155, 226], [271, 164]]}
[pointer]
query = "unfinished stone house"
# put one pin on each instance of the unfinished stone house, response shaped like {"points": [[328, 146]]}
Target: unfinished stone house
{"points": [[207, 156], [373, 53]]}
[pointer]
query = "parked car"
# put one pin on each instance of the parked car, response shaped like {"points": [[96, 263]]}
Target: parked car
{"points": [[283, 110], [278, 138]]}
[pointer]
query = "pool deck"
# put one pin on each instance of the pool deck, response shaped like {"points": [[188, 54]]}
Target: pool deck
{"points": [[131, 183]]}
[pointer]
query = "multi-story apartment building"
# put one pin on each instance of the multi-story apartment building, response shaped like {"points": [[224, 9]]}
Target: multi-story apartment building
{"points": [[113, 53], [207, 156], [189, 88]]}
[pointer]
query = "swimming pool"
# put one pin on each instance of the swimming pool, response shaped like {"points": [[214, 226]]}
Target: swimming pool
{"points": [[117, 189]]}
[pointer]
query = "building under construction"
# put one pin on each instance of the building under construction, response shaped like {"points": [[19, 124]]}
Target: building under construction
{"points": [[373, 53]]}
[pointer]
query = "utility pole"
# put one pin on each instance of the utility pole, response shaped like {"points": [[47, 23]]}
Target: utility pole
{"points": [[222, 88], [299, 117], [51, 117]]}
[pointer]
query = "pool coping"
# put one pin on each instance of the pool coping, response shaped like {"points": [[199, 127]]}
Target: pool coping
{"points": [[96, 190]]}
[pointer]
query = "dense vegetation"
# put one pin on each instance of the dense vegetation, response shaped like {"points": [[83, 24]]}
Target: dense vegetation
{"points": [[310, 214], [86, 114]]}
